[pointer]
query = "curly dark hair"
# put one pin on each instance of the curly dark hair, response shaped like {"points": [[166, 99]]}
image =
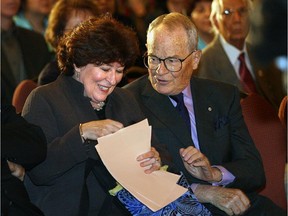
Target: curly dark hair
{"points": [[101, 40]]}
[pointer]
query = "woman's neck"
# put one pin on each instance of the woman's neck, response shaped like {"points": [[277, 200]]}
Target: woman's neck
{"points": [[206, 37], [36, 20]]}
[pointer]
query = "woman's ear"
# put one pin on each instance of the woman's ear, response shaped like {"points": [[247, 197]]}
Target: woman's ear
{"points": [[76, 68]]}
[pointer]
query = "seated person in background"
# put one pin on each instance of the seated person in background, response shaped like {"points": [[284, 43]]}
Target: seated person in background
{"points": [[33, 14], [82, 105], [23, 146], [200, 13], [23, 52], [64, 16], [229, 57], [112, 7], [208, 139]]}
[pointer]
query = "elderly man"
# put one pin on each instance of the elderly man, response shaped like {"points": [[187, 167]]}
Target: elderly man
{"points": [[207, 139], [229, 57]]}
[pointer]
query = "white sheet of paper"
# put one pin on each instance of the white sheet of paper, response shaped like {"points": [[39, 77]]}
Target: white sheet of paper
{"points": [[119, 151]]}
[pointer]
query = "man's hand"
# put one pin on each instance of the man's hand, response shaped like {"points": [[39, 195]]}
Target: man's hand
{"points": [[16, 170], [231, 201], [198, 165]]}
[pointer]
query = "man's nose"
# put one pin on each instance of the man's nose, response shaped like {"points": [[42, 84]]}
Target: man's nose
{"points": [[161, 68]]}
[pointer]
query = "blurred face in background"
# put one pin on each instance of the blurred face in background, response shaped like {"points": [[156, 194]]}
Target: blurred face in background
{"points": [[39, 6], [9, 8], [200, 16], [105, 6], [233, 22]]}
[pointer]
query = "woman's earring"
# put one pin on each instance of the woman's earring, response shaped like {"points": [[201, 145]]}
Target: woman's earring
{"points": [[77, 74]]}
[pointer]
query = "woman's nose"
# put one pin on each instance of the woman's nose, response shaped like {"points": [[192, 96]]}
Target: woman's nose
{"points": [[111, 77]]}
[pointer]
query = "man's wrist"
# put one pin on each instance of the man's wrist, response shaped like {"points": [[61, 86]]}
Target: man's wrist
{"points": [[227, 177], [217, 175]]}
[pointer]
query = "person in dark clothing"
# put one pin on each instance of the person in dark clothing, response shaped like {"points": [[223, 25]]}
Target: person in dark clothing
{"points": [[23, 146], [23, 52]]}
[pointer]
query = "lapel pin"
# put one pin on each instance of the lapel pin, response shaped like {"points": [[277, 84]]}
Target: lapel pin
{"points": [[260, 73], [209, 109]]}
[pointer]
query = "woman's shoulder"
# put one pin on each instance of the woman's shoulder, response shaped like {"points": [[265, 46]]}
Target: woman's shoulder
{"points": [[51, 90]]}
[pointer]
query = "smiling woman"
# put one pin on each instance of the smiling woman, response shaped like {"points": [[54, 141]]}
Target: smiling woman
{"points": [[82, 105]]}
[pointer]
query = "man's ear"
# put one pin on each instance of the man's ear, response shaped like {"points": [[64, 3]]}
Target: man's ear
{"points": [[196, 58]]}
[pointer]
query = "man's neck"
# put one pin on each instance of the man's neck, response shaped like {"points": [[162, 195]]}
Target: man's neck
{"points": [[239, 44]]}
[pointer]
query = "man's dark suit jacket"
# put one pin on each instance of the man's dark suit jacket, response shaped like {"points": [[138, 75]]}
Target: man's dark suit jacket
{"points": [[35, 56], [215, 65], [222, 134], [24, 144]]}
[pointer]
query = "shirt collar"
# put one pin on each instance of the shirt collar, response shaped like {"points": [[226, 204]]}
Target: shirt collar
{"points": [[231, 50], [187, 91]]}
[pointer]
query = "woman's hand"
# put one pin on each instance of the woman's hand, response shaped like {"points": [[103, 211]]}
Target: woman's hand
{"points": [[151, 160], [95, 129]]}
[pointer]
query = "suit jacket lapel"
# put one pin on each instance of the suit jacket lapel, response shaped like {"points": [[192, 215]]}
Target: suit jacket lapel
{"points": [[222, 65], [203, 111], [163, 109], [6, 72], [258, 73]]}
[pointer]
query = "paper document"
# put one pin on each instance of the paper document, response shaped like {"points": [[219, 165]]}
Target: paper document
{"points": [[119, 151]]}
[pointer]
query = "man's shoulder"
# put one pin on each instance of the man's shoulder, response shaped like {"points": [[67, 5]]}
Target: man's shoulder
{"points": [[29, 34], [138, 84], [33, 45], [212, 50], [212, 85]]}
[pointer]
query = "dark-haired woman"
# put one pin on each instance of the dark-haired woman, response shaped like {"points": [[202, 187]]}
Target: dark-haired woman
{"points": [[82, 105]]}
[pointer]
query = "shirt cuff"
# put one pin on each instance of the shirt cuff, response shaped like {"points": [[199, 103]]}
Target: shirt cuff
{"points": [[193, 187], [227, 177]]}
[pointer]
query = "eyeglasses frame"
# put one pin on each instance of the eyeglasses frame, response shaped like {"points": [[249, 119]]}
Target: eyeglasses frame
{"points": [[160, 59]]}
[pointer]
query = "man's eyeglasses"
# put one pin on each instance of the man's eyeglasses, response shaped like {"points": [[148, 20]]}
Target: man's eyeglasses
{"points": [[229, 12], [171, 63]]}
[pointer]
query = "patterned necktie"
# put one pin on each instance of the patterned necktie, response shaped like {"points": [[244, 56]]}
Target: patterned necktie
{"points": [[245, 76], [182, 109]]}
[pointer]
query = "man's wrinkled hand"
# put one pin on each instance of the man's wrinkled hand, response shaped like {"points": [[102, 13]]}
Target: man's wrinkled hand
{"points": [[198, 165], [232, 201]]}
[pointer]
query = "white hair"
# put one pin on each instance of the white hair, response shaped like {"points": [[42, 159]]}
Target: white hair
{"points": [[216, 11]]}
